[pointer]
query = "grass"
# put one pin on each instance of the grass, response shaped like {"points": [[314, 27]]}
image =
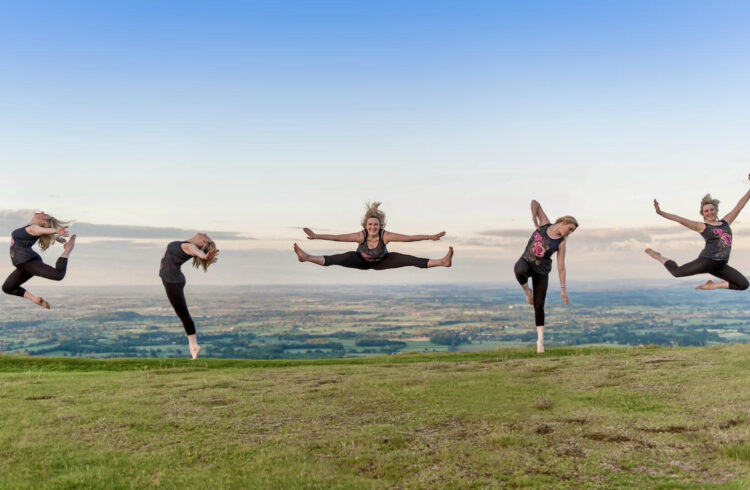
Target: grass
{"points": [[572, 418]]}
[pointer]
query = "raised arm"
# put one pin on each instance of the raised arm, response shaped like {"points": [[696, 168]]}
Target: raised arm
{"points": [[396, 237], [693, 225], [537, 214], [729, 218], [192, 249], [37, 230], [346, 237], [561, 273]]}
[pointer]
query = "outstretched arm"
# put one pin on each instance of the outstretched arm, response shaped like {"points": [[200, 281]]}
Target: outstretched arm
{"points": [[396, 237], [693, 225], [37, 230], [561, 273], [192, 249], [537, 214], [729, 218], [347, 237]]}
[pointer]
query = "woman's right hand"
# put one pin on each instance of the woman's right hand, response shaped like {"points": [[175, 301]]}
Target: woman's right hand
{"points": [[310, 234], [211, 256], [656, 207], [62, 231]]}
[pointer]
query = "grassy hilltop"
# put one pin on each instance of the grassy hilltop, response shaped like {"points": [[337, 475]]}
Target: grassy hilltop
{"points": [[645, 417]]}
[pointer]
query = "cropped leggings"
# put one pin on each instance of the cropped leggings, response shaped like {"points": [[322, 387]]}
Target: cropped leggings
{"points": [[391, 261], [702, 265], [539, 283], [27, 270], [176, 296]]}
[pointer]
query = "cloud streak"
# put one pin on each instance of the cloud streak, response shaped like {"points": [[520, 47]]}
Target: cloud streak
{"points": [[12, 219]]}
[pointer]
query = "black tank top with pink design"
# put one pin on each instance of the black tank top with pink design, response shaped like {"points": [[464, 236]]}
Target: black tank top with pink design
{"points": [[718, 241], [540, 248], [372, 254]]}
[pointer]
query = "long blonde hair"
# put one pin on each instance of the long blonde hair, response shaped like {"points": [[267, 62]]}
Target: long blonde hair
{"points": [[46, 241], [707, 199], [208, 247], [373, 211]]}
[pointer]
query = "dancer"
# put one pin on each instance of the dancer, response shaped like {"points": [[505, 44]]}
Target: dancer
{"points": [[371, 252], [715, 255], [203, 251], [536, 263], [28, 263]]}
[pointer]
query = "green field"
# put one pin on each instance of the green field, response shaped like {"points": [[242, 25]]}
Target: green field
{"points": [[574, 417]]}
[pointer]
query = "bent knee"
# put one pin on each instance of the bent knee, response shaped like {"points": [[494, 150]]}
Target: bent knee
{"points": [[742, 285], [7, 289]]}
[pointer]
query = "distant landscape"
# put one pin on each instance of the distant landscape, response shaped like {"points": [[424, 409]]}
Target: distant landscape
{"points": [[298, 322]]}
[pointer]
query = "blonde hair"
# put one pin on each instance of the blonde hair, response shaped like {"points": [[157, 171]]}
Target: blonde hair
{"points": [[568, 220], [707, 199], [373, 211], [208, 247], [46, 241]]}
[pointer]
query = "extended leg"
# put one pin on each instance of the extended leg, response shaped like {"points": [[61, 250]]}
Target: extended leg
{"points": [[395, 260], [701, 265], [303, 256], [351, 260], [40, 269]]}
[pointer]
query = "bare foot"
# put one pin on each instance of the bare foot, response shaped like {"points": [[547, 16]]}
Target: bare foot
{"points": [[447, 261], [41, 302], [529, 296], [709, 285], [655, 255], [302, 256], [539, 348], [68, 246], [194, 350]]}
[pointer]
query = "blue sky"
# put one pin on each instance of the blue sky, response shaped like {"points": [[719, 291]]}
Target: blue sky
{"points": [[259, 117]]}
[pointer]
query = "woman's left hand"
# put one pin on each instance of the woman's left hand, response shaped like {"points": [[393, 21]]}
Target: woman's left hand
{"points": [[564, 297], [438, 236]]}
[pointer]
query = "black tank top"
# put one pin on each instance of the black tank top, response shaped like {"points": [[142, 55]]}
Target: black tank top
{"points": [[21, 242], [540, 248], [172, 261], [718, 241], [372, 254]]}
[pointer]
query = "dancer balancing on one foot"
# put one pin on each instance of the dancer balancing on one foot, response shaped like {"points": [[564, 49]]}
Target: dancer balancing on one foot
{"points": [[28, 263], [715, 255], [371, 252], [536, 263], [203, 252]]}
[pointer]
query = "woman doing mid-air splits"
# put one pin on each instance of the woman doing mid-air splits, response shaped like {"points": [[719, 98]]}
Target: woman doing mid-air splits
{"points": [[715, 255], [536, 263], [371, 253], [28, 263], [203, 252]]}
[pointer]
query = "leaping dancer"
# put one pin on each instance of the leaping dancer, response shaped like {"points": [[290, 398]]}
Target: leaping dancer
{"points": [[371, 252], [715, 255], [536, 263], [28, 263], [203, 252]]}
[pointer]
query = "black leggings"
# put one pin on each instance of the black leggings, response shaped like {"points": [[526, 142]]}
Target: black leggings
{"points": [[392, 260], [32, 268], [702, 265], [539, 283], [176, 296]]}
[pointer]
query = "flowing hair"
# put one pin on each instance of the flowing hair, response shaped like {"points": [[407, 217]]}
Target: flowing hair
{"points": [[707, 199], [208, 247], [373, 211], [46, 241]]}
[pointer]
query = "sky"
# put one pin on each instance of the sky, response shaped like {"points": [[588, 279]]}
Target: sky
{"points": [[148, 121]]}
